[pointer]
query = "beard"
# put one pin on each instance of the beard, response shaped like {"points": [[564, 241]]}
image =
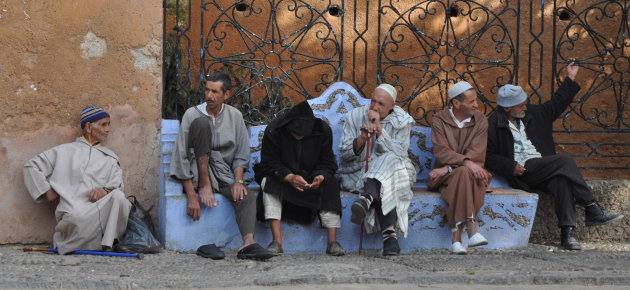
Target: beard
{"points": [[519, 115]]}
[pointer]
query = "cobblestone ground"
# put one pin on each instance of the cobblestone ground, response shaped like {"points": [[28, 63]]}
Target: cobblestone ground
{"points": [[598, 264]]}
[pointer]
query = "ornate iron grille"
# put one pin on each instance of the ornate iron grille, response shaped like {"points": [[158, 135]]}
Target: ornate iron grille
{"points": [[284, 51], [598, 36], [446, 41]]}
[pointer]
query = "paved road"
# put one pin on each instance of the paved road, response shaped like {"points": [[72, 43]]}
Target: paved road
{"points": [[545, 267]]}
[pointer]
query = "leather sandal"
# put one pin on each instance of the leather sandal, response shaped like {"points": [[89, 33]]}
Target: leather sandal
{"points": [[254, 252], [210, 251]]}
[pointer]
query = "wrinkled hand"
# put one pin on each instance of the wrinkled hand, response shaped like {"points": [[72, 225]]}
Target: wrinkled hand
{"points": [[374, 126], [572, 69], [97, 194], [194, 210], [239, 191], [519, 170], [478, 171], [52, 197], [437, 173], [296, 181], [207, 197], [317, 181]]}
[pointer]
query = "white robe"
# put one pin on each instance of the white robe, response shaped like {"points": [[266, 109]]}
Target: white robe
{"points": [[73, 170], [389, 163]]}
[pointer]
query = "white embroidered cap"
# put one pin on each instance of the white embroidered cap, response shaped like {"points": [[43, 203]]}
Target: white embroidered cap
{"points": [[390, 90], [457, 89]]}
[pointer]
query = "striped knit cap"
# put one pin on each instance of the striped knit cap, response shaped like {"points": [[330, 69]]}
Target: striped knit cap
{"points": [[92, 114]]}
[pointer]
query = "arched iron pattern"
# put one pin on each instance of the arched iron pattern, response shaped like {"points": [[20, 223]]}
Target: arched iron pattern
{"points": [[601, 31], [277, 50], [433, 44]]}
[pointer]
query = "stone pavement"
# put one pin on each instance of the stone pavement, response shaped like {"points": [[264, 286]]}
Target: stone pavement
{"points": [[544, 266]]}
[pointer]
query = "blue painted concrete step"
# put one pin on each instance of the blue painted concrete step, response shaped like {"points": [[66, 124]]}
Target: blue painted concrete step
{"points": [[506, 221]]}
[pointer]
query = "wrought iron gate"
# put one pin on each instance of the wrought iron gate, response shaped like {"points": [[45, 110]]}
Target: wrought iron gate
{"points": [[284, 51]]}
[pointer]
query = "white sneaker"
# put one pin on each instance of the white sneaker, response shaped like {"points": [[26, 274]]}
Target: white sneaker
{"points": [[477, 240], [458, 248]]}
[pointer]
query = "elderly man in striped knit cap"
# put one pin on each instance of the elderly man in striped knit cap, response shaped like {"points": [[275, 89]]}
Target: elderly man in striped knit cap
{"points": [[83, 180], [386, 186]]}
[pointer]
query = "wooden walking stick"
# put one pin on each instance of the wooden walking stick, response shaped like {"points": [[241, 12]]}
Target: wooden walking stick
{"points": [[367, 158]]}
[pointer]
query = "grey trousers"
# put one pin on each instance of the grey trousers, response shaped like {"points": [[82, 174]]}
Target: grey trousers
{"points": [[200, 140]]}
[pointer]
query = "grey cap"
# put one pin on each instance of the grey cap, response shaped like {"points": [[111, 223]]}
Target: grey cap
{"points": [[457, 89], [510, 96]]}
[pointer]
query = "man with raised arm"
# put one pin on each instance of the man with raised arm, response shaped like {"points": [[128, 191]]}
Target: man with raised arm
{"points": [[521, 149]]}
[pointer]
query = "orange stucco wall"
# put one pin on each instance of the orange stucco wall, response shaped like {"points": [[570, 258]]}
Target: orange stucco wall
{"points": [[57, 57]]}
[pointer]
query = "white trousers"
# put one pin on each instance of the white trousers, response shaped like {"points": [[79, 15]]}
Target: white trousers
{"points": [[273, 210]]}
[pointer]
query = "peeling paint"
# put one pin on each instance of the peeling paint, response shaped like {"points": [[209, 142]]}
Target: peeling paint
{"points": [[487, 210], [147, 58], [523, 221], [93, 46]]}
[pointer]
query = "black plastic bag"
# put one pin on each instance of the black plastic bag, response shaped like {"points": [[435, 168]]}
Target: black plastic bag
{"points": [[141, 213], [139, 235]]}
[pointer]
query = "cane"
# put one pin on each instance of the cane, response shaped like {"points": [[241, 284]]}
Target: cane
{"points": [[97, 253], [367, 158]]}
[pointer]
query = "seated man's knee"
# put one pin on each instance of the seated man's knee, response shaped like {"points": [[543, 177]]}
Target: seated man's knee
{"points": [[273, 206], [118, 195], [200, 123], [330, 219], [250, 197], [566, 159], [120, 200], [462, 171]]}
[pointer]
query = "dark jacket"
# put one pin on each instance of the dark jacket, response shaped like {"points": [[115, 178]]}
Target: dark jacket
{"points": [[281, 155], [538, 122]]}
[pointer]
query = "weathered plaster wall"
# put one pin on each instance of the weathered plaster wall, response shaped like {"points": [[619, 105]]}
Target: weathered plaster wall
{"points": [[57, 57]]}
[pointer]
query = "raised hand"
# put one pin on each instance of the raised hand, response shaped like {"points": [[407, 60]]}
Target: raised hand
{"points": [[572, 69]]}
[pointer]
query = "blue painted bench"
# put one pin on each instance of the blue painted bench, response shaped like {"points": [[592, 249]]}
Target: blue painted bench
{"points": [[506, 217]]}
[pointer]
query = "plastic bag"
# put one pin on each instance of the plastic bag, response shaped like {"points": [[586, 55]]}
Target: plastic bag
{"points": [[139, 237], [141, 213]]}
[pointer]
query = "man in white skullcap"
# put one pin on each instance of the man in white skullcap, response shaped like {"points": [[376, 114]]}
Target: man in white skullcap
{"points": [[386, 186], [521, 149], [459, 136]]}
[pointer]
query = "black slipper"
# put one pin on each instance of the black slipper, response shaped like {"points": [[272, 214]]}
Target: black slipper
{"points": [[254, 251], [210, 251]]}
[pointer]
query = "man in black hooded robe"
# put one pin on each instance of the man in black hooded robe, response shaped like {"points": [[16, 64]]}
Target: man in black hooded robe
{"points": [[296, 175]]}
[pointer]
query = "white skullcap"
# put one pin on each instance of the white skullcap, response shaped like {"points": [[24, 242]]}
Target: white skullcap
{"points": [[458, 88], [390, 90]]}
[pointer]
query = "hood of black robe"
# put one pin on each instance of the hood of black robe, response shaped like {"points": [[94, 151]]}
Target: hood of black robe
{"points": [[300, 120]]}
